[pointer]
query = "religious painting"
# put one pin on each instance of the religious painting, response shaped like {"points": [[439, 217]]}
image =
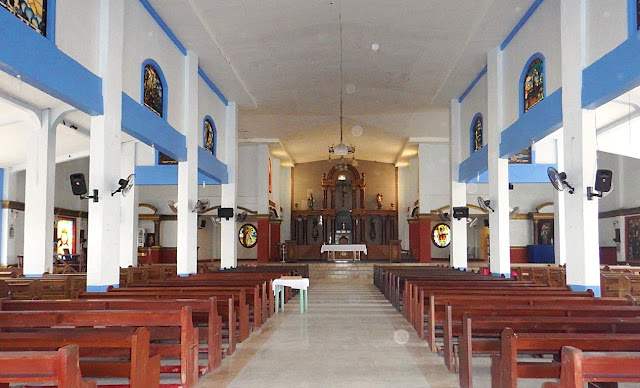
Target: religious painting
{"points": [[545, 232], [441, 235], [166, 159], [522, 157], [478, 130], [153, 90], [533, 87], [632, 230], [32, 12], [65, 236], [248, 236], [209, 138]]}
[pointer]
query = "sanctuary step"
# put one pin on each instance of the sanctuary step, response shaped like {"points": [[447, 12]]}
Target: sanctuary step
{"points": [[341, 271]]}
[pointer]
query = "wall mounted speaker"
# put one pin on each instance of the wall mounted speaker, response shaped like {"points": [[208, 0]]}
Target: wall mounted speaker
{"points": [[203, 224], [225, 212], [78, 184], [603, 180]]}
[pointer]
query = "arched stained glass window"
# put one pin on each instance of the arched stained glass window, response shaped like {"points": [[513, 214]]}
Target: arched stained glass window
{"points": [[153, 90], [533, 87], [477, 133], [31, 12], [209, 136]]}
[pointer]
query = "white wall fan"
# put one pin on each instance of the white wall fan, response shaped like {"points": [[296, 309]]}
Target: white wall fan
{"points": [[559, 180], [173, 206], [485, 204], [125, 186], [201, 206]]}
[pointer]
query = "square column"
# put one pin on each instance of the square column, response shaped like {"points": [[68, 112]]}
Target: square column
{"points": [[128, 210], [500, 256], [262, 184], [559, 208], [458, 190], [187, 251], [39, 198], [105, 155], [228, 230], [580, 150]]}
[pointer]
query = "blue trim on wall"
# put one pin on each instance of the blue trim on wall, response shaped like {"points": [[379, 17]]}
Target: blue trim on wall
{"points": [[476, 164], [215, 133], [540, 121], [213, 86], [524, 74], [31, 275], [146, 126], [471, 137], [164, 176], [165, 86], [612, 75], [51, 21], [164, 26], [24, 53], [210, 166], [595, 289], [506, 275], [101, 288], [632, 18], [473, 84], [529, 173], [520, 24]]}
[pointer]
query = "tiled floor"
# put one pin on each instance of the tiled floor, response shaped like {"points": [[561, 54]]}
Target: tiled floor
{"points": [[350, 337]]}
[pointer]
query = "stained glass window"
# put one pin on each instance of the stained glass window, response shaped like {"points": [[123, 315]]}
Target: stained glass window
{"points": [[248, 236], [153, 90], [32, 12], [209, 137], [478, 130], [441, 235], [533, 87]]}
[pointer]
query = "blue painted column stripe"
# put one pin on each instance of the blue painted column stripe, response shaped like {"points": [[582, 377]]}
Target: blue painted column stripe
{"points": [[101, 288], [594, 288], [42, 65]]}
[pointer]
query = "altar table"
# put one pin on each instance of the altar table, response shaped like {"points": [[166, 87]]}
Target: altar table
{"points": [[355, 248]]}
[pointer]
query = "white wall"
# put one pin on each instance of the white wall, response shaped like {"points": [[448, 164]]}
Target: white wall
{"points": [[64, 198], [77, 31], [145, 39], [285, 201], [210, 104], [607, 21], [475, 102], [248, 177], [540, 34]]}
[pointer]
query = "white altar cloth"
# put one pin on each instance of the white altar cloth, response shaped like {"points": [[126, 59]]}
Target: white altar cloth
{"points": [[344, 248]]}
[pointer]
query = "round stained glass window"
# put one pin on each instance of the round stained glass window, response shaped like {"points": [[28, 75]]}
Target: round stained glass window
{"points": [[441, 235], [248, 235]]}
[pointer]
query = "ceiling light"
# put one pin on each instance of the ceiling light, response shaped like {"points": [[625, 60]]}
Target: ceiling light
{"points": [[375, 47]]}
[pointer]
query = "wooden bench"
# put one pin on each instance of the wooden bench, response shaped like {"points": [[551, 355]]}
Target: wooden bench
{"points": [[186, 348], [205, 315], [61, 368], [577, 369], [141, 368], [506, 369]]}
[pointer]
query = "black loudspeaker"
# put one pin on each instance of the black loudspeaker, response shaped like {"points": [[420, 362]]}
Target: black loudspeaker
{"points": [[203, 224], [225, 212], [603, 181], [78, 184], [486, 223], [460, 212]]}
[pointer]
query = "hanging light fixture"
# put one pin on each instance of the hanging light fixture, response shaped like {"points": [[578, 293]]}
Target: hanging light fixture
{"points": [[341, 149]]}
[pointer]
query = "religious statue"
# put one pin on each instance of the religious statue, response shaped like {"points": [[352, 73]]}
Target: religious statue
{"points": [[379, 200], [372, 230], [314, 230], [310, 201]]}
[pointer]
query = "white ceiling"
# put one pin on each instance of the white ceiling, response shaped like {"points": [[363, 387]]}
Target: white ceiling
{"points": [[280, 60]]}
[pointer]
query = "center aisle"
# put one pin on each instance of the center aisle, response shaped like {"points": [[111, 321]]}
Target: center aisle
{"points": [[350, 337]]}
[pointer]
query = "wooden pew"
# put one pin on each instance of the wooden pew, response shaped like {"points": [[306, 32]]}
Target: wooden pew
{"points": [[505, 368], [205, 315], [493, 326], [155, 320], [577, 369], [455, 316], [141, 368], [61, 368]]}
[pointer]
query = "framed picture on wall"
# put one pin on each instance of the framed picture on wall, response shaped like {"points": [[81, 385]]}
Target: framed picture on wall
{"points": [[632, 233], [545, 232]]}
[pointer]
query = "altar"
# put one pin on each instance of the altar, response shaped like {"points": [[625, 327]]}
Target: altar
{"points": [[343, 250]]}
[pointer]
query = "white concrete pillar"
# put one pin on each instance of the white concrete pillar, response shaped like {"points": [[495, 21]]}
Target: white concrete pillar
{"points": [[39, 198], [105, 151], [188, 174], [228, 230], [458, 190], [559, 228], [500, 252], [285, 203], [580, 149], [4, 218], [262, 165], [404, 201], [129, 210]]}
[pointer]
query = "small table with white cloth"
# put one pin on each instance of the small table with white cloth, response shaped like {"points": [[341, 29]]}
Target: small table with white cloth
{"points": [[299, 284], [355, 248]]}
